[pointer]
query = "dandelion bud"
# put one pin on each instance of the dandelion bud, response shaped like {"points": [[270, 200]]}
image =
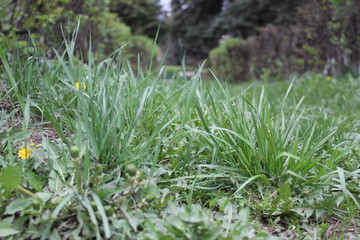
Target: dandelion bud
{"points": [[74, 151], [131, 169]]}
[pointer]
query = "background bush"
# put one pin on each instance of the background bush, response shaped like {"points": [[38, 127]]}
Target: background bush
{"points": [[231, 59], [141, 46], [47, 22]]}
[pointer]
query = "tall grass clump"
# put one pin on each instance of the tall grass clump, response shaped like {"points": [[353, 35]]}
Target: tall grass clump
{"points": [[122, 117], [129, 140]]}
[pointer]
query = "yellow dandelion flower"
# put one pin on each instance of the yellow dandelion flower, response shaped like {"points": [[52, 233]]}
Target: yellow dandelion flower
{"points": [[24, 153], [77, 85], [328, 78]]}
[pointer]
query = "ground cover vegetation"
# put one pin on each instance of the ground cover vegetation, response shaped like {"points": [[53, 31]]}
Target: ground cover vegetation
{"points": [[99, 139], [98, 150]]}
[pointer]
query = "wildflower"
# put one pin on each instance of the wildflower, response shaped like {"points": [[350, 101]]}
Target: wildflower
{"points": [[328, 78], [32, 144], [24, 153], [77, 85]]}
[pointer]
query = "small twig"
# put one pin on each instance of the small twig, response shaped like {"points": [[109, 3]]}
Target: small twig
{"points": [[328, 232]]}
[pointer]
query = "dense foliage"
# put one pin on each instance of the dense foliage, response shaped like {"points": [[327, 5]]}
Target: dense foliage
{"points": [[47, 22]]}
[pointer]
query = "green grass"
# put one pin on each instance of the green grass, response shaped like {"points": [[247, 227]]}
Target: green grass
{"points": [[157, 159]]}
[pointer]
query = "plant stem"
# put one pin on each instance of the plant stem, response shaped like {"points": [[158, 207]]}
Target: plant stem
{"points": [[24, 190], [78, 175]]}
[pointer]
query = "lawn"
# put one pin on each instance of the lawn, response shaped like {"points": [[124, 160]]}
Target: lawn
{"points": [[96, 150]]}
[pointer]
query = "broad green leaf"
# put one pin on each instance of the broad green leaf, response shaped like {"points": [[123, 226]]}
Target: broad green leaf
{"points": [[285, 191], [43, 196], [10, 178], [17, 205], [54, 181], [318, 213], [33, 180], [92, 216], [5, 232], [55, 213], [6, 222], [101, 210], [134, 220]]}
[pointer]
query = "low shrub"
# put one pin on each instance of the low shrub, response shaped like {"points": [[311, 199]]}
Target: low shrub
{"points": [[231, 59]]}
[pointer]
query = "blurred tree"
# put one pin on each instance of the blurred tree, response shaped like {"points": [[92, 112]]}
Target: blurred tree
{"points": [[191, 26], [199, 24], [243, 18], [21, 16], [323, 38], [141, 15]]}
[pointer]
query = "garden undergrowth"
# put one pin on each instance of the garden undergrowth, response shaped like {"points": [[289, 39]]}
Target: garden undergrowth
{"points": [[133, 156]]}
